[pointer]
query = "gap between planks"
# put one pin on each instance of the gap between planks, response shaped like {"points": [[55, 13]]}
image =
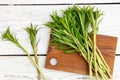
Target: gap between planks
{"points": [[33, 55], [24, 55], [111, 3]]}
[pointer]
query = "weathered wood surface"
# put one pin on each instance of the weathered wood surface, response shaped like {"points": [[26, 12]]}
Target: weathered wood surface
{"points": [[18, 17], [19, 67]]}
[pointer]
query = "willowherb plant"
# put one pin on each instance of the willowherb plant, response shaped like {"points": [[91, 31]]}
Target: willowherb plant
{"points": [[71, 33]]}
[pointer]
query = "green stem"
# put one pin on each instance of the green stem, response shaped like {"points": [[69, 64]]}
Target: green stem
{"points": [[38, 68], [101, 59], [89, 58], [94, 52], [90, 68], [93, 25], [36, 59]]}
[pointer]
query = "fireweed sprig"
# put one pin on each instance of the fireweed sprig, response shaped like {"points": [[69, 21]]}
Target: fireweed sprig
{"points": [[32, 31]]}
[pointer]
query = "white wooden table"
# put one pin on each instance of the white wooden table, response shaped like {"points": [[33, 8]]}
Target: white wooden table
{"points": [[15, 65]]}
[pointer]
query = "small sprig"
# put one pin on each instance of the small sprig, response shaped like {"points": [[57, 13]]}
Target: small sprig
{"points": [[32, 32]]}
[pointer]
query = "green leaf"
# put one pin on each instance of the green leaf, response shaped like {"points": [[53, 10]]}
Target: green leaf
{"points": [[70, 51], [63, 47]]}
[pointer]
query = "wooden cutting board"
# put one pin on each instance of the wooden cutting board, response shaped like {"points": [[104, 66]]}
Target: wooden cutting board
{"points": [[75, 63]]}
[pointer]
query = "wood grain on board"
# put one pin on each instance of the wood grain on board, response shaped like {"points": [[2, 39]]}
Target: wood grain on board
{"points": [[75, 63]]}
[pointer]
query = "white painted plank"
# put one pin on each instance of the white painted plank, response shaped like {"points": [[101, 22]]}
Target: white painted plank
{"points": [[13, 15], [21, 68], [18, 17], [54, 1], [116, 73]]}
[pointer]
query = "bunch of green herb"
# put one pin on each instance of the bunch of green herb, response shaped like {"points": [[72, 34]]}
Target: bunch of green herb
{"points": [[12, 38], [70, 32]]}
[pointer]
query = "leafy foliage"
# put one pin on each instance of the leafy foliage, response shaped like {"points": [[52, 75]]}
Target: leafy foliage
{"points": [[71, 30]]}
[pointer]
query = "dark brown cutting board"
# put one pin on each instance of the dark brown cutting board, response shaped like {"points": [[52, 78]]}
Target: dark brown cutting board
{"points": [[75, 63]]}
